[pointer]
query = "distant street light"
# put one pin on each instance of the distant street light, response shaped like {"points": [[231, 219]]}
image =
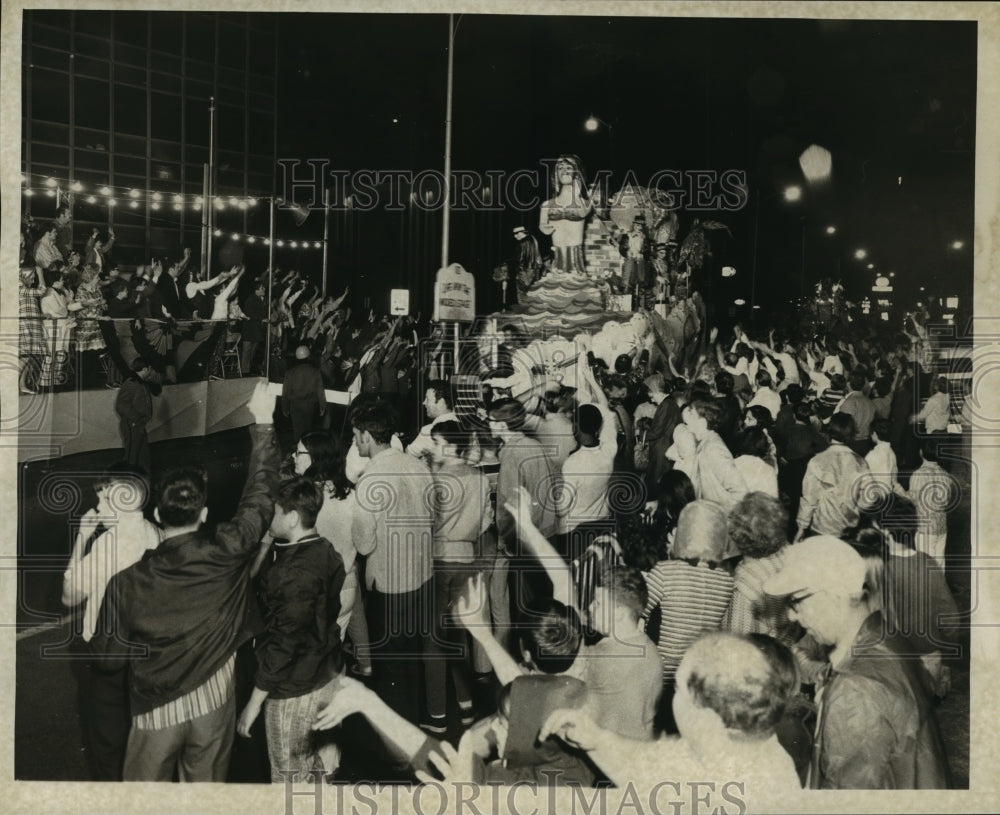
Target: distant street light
{"points": [[816, 163], [831, 230], [860, 254], [958, 244], [793, 193]]}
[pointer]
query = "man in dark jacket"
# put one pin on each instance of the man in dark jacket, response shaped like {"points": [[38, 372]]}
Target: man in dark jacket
{"points": [[134, 406], [180, 613], [253, 327], [302, 394]]}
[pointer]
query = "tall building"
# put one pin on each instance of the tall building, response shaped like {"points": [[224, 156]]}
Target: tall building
{"points": [[115, 111]]}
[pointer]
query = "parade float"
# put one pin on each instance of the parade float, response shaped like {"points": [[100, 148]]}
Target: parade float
{"points": [[620, 282]]}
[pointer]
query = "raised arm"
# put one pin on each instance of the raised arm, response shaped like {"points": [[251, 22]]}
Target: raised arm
{"points": [[555, 566], [256, 507], [471, 610]]}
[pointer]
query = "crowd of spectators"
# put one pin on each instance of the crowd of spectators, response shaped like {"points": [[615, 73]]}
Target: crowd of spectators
{"points": [[739, 576]]}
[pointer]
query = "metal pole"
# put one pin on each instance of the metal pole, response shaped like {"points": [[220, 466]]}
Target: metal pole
{"points": [[326, 235], [270, 286], [753, 273], [210, 199], [447, 144], [802, 275], [205, 209]]}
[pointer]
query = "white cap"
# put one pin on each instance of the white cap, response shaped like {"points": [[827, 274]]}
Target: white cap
{"points": [[821, 563]]}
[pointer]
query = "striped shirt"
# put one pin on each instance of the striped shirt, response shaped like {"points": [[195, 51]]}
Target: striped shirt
{"points": [[693, 600], [209, 696], [751, 611]]}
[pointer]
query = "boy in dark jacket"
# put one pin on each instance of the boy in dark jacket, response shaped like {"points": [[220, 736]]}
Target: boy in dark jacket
{"points": [[299, 656]]}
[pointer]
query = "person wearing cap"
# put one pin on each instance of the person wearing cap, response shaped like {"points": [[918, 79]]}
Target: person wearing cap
{"points": [[302, 393], [876, 727]]}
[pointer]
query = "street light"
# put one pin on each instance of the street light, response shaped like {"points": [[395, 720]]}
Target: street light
{"points": [[831, 230], [793, 193], [860, 254], [958, 244]]}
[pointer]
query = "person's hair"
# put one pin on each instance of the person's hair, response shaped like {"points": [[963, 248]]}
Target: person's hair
{"points": [[442, 390], [724, 383], [941, 384], [857, 379], [897, 516], [140, 364], [761, 415], [379, 421], [838, 382], [623, 364], [615, 381], [486, 441], [134, 481], [303, 495], [930, 450], [803, 412], [758, 525], [327, 461], [882, 428], [763, 378], [590, 419], [709, 410], [626, 585], [51, 275], [181, 495], [841, 428], [731, 358], [700, 389], [551, 633], [747, 680], [754, 441], [793, 394], [674, 491], [883, 385], [453, 433], [510, 411]]}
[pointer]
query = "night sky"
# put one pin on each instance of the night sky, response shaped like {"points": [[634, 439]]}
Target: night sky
{"points": [[894, 102]]}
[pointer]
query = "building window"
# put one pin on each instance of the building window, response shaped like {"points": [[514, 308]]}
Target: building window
{"points": [[166, 116], [49, 96], [130, 110], [93, 107]]}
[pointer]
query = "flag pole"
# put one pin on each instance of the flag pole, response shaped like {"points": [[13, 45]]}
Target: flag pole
{"points": [[326, 234], [447, 144], [210, 198], [270, 286]]}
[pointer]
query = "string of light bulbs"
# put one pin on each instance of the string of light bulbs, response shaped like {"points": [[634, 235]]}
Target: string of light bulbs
{"points": [[133, 198]]}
